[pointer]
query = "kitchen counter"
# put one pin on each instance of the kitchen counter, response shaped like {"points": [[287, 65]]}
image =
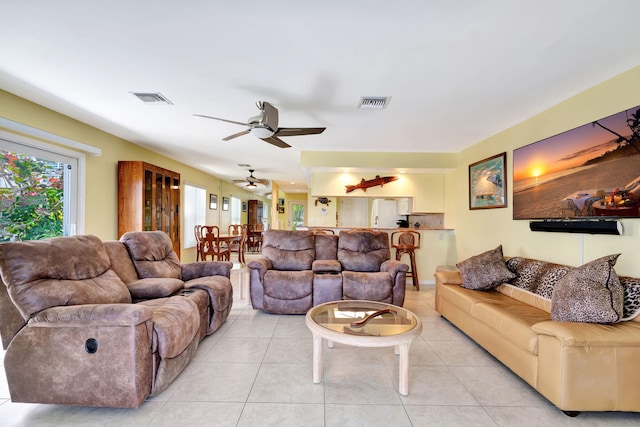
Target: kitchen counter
{"points": [[378, 228]]}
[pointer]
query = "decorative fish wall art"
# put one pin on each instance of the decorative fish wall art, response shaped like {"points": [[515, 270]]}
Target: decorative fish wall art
{"points": [[378, 180]]}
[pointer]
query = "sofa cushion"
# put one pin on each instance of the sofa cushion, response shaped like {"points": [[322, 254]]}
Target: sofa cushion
{"points": [[512, 320], [326, 246], [485, 271], [59, 271], [367, 286], [465, 299], [525, 296], [363, 250], [152, 254], [288, 292], [289, 249], [288, 285], [121, 262], [590, 293], [176, 321]]}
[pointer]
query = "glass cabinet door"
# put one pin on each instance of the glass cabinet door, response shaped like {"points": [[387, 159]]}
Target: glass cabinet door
{"points": [[148, 200]]}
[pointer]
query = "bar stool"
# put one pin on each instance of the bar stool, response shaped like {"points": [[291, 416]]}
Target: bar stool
{"points": [[406, 242]]}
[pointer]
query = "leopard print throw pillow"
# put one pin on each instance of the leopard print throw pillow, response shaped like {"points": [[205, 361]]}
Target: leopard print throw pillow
{"points": [[485, 271], [591, 293]]}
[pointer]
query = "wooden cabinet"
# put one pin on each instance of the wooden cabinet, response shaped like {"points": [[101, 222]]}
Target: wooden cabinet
{"points": [[148, 199], [254, 209]]}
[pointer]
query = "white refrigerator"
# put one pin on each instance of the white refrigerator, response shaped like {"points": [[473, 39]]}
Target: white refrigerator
{"points": [[384, 213]]}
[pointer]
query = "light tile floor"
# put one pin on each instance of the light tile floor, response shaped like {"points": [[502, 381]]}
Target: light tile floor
{"points": [[257, 371]]}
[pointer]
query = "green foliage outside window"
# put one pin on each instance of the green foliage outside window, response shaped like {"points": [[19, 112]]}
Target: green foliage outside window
{"points": [[31, 198], [297, 216]]}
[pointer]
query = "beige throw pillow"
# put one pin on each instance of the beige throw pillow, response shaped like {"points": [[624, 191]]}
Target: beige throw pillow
{"points": [[591, 293], [485, 271]]}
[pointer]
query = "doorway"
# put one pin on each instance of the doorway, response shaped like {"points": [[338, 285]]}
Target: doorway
{"points": [[297, 214]]}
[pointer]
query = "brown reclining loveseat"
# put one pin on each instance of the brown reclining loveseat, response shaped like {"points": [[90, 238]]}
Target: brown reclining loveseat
{"points": [[299, 270]]}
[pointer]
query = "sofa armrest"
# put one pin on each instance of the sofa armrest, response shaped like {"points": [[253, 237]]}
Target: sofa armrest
{"points": [[394, 267], [196, 270], [574, 334], [92, 315], [261, 265], [87, 355], [448, 275], [154, 287]]}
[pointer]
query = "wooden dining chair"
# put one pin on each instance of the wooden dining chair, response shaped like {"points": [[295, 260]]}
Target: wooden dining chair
{"points": [[212, 245], [239, 245], [323, 231], [253, 236], [235, 230], [197, 230]]}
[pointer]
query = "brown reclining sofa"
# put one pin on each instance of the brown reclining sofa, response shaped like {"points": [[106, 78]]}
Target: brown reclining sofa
{"points": [[93, 323]]}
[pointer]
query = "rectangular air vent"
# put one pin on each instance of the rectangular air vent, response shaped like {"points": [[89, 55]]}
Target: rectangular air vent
{"points": [[374, 102], [152, 98]]}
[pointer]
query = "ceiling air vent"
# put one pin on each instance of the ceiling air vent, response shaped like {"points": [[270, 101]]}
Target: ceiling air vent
{"points": [[374, 102], [152, 98]]}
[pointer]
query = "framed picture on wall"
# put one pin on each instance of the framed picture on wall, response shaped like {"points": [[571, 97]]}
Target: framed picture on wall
{"points": [[225, 203], [280, 209], [213, 201], [487, 183], [244, 206]]}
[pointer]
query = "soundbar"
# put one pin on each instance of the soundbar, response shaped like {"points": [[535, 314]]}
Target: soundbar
{"points": [[578, 226]]}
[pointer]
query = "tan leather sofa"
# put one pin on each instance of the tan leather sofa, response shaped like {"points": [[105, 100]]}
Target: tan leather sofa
{"points": [[93, 323], [577, 366], [299, 270]]}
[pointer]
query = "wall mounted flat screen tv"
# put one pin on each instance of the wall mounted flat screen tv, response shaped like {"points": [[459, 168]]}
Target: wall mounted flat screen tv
{"points": [[589, 172]]}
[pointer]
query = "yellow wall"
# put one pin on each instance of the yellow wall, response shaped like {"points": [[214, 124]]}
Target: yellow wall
{"points": [[475, 231], [320, 215], [101, 171], [481, 230], [426, 189]]}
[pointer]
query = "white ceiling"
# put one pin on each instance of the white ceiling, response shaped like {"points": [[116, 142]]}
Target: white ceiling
{"points": [[458, 71]]}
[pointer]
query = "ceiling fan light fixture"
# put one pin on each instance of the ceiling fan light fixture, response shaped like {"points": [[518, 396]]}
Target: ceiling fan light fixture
{"points": [[261, 132], [251, 186]]}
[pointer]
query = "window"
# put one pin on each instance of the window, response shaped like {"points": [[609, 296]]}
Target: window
{"points": [[40, 193], [236, 210], [195, 212]]}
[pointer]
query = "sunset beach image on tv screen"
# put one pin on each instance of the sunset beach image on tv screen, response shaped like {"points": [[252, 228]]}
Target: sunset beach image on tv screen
{"points": [[592, 171]]}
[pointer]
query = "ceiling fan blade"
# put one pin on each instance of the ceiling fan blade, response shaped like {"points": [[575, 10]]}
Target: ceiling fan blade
{"points": [[298, 131], [276, 141], [235, 135], [264, 182], [222, 120], [270, 115], [239, 181]]}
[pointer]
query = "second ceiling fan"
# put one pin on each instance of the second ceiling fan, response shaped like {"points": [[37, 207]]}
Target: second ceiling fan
{"points": [[265, 126], [252, 181]]}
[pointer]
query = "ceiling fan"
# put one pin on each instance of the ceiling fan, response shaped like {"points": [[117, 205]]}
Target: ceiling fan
{"points": [[252, 181], [265, 126]]}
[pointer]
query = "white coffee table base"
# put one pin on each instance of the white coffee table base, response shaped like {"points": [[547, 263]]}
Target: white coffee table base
{"points": [[401, 343]]}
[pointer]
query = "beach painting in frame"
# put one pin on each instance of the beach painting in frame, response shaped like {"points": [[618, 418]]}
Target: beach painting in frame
{"points": [[591, 171], [487, 184]]}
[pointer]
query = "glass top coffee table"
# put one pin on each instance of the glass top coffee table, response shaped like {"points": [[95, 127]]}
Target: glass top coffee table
{"points": [[364, 324]]}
